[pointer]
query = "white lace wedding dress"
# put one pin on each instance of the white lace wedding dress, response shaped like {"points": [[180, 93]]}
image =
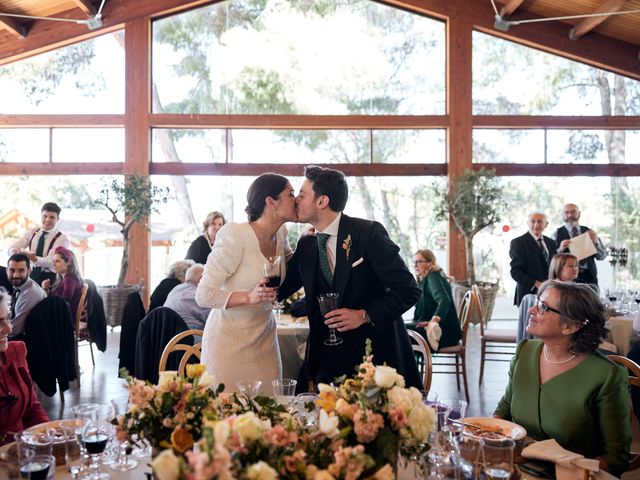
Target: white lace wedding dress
{"points": [[239, 343]]}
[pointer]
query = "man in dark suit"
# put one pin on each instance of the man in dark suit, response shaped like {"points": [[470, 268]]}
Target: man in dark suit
{"points": [[357, 259], [588, 272], [530, 256], [4, 280]]}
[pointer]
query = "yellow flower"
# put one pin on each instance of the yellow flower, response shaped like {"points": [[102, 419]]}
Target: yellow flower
{"points": [[195, 370], [181, 439], [327, 400]]}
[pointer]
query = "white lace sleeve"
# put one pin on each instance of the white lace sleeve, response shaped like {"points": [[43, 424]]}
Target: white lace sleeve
{"points": [[222, 262]]}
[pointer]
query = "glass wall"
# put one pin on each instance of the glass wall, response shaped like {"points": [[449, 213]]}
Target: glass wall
{"points": [[339, 58], [511, 79]]}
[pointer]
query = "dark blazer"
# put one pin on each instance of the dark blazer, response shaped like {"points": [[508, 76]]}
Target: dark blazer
{"points": [[199, 250], [588, 272], [4, 281], [51, 344], [528, 264], [370, 276], [132, 313], [96, 317], [160, 294], [154, 333]]}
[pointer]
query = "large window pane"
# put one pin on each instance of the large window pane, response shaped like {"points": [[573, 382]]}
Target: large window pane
{"points": [[409, 146], [508, 146], [24, 145], [189, 146], [87, 77], [354, 57], [88, 145], [510, 79]]}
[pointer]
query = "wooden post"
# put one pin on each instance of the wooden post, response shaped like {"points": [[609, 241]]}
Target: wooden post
{"points": [[138, 134], [459, 138]]}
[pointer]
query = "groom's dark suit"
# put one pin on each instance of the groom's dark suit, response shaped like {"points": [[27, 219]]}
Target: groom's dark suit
{"points": [[371, 276], [528, 264]]}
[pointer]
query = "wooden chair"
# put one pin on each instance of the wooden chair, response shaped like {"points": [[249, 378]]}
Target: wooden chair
{"points": [[454, 359], [81, 331], [174, 345], [425, 365], [634, 381], [493, 341]]}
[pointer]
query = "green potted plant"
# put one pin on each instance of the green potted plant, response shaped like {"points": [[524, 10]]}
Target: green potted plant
{"points": [[129, 200], [475, 201]]}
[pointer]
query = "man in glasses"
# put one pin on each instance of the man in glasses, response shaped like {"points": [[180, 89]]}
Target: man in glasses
{"points": [[530, 256]]}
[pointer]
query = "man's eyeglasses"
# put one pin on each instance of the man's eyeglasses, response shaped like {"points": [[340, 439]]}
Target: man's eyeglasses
{"points": [[544, 308]]}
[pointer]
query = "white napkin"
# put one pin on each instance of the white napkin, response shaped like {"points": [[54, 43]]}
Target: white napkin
{"points": [[582, 246], [569, 465], [434, 332]]}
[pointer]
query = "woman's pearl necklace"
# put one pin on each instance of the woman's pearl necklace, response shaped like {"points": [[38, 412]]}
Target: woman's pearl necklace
{"points": [[544, 352]]}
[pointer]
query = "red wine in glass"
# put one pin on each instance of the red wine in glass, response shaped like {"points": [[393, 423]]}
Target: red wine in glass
{"points": [[35, 470], [329, 302], [95, 443], [273, 281]]}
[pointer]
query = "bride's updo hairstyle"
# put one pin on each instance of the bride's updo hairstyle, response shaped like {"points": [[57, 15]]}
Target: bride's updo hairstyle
{"points": [[266, 185]]}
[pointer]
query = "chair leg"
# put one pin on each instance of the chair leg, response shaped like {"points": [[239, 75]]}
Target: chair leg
{"points": [[91, 350], [61, 394], [77, 366], [464, 378], [458, 358], [482, 349]]}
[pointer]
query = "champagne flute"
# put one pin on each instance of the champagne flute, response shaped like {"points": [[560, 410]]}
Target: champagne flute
{"points": [[329, 302], [123, 463]]}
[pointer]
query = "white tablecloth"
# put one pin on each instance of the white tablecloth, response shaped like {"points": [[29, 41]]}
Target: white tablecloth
{"points": [[621, 332], [292, 334]]}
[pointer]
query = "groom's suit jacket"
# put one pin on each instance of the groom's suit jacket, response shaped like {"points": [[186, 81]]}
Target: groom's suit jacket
{"points": [[369, 274]]}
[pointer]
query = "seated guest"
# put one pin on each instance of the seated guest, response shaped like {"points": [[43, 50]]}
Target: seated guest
{"points": [[182, 299], [564, 267], [19, 405], [200, 248], [69, 281], [4, 280], [26, 293], [175, 277], [560, 387], [435, 303]]}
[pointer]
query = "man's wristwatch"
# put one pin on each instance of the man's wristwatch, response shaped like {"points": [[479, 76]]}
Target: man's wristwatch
{"points": [[366, 318]]}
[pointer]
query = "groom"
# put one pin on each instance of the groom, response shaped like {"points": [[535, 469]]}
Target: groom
{"points": [[357, 259]]}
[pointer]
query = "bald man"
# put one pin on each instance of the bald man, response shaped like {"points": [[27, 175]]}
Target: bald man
{"points": [[572, 228], [530, 256]]}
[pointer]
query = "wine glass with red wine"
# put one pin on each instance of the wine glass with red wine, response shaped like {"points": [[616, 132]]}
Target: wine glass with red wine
{"points": [[95, 437], [271, 270], [329, 302]]}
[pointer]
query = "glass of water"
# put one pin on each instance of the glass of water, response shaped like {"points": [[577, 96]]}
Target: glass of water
{"points": [[498, 458]]}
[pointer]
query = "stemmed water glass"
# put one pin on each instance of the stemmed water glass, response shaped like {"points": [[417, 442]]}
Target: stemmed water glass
{"points": [[124, 462], [329, 302], [95, 437]]}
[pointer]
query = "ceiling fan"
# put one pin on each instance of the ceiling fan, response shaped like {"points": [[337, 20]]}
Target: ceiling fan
{"points": [[503, 24], [93, 22]]}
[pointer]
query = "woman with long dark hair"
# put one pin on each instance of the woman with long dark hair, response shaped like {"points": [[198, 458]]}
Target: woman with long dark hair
{"points": [[68, 283], [239, 341]]}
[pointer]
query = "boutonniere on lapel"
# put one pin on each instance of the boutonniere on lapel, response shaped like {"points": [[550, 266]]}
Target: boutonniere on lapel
{"points": [[346, 244]]}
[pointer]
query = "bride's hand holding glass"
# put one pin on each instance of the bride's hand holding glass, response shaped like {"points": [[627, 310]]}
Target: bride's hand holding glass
{"points": [[261, 293]]}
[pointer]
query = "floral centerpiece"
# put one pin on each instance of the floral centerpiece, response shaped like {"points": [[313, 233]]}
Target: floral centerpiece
{"points": [[287, 302], [362, 427]]}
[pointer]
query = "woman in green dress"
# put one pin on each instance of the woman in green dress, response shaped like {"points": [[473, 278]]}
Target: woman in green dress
{"points": [[560, 387], [435, 303]]}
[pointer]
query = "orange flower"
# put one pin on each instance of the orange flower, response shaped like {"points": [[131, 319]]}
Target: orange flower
{"points": [[327, 400], [181, 439]]}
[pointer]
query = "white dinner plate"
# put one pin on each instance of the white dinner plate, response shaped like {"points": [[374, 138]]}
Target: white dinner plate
{"points": [[497, 425], [52, 424]]}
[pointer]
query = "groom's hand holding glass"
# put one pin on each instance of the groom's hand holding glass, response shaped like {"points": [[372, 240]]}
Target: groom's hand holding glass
{"points": [[345, 319]]}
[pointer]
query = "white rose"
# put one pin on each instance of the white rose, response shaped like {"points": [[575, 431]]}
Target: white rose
{"points": [[221, 432], [166, 378], [166, 466], [323, 387], [385, 376], [328, 424], [205, 381], [261, 471], [248, 426]]}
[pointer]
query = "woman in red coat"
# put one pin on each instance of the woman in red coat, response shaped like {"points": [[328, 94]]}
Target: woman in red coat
{"points": [[19, 406]]}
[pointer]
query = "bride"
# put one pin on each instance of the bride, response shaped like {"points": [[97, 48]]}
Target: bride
{"points": [[239, 340]]}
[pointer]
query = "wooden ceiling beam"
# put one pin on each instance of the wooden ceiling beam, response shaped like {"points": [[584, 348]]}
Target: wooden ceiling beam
{"points": [[597, 50], [510, 7], [86, 6], [589, 23], [14, 27]]}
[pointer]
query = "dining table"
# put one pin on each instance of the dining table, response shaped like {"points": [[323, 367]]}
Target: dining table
{"points": [[292, 335], [621, 332]]}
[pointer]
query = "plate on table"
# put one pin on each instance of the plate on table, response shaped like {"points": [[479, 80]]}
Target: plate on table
{"points": [[487, 427], [54, 424]]}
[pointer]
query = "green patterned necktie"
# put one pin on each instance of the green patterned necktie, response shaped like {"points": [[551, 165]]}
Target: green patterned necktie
{"points": [[323, 238], [40, 246]]}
